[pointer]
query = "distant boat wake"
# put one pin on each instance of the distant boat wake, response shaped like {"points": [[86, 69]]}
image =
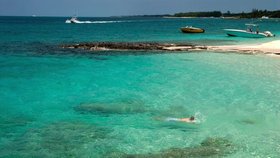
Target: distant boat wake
{"points": [[92, 22]]}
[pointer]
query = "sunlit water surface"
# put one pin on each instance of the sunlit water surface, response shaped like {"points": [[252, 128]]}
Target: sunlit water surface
{"points": [[57, 103]]}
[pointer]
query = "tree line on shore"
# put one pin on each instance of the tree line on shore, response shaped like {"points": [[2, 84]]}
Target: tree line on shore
{"points": [[255, 13]]}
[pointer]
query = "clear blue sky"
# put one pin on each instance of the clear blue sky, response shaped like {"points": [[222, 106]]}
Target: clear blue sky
{"points": [[127, 7]]}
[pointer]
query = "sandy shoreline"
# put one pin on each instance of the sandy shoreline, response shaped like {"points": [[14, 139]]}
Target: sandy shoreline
{"points": [[269, 48], [272, 48]]}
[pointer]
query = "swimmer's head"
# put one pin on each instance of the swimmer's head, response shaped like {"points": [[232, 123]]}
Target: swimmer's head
{"points": [[192, 118]]}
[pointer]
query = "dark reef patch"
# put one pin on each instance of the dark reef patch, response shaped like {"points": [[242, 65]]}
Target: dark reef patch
{"points": [[210, 147], [133, 46], [61, 139], [121, 107], [10, 125], [94, 50]]}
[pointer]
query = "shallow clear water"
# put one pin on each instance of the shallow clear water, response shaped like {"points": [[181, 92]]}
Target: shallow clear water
{"points": [[57, 103]]}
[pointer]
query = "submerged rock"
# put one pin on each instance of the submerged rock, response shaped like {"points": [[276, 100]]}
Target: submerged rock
{"points": [[103, 46], [14, 121], [210, 147], [124, 107], [10, 125], [62, 139], [66, 135]]}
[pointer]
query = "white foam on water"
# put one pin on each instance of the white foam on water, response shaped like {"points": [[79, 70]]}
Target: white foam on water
{"points": [[95, 22], [199, 118]]}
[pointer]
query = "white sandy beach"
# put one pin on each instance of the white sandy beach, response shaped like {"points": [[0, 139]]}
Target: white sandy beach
{"points": [[269, 48], [266, 48]]}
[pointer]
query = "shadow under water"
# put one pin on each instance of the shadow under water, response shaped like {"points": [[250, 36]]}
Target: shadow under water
{"points": [[247, 121]]}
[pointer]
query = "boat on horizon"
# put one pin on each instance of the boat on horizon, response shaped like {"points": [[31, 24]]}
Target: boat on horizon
{"points": [[74, 20], [190, 29], [249, 33]]}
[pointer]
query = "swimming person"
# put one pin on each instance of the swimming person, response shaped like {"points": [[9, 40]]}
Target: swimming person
{"points": [[187, 120]]}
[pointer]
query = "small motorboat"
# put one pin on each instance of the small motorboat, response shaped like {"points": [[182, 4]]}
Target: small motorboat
{"points": [[73, 20], [190, 29], [249, 33], [264, 17]]}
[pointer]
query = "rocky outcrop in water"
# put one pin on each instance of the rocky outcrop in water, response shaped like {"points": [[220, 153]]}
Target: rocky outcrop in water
{"points": [[140, 46], [60, 139], [210, 147], [10, 125]]}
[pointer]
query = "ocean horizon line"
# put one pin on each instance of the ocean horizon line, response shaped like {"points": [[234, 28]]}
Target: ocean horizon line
{"points": [[138, 15]]}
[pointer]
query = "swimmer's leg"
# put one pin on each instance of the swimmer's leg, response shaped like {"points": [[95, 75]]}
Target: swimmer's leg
{"points": [[172, 119]]}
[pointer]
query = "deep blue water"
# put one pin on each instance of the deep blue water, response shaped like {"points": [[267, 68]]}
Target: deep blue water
{"points": [[62, 103]]}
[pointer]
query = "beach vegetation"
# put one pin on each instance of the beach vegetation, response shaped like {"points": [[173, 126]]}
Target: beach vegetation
{"points": [[255, 13], [199, 14]]}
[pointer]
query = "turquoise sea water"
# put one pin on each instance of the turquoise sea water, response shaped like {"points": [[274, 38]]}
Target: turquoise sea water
{"points": [[59, 103]]}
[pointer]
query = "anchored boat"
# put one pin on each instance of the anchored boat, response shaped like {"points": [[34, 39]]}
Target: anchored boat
{"points": [[264, 17], [190, 29], [249, 33]]}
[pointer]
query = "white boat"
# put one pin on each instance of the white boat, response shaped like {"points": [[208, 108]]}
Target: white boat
{"points": [[265, 17], [249, 33], [73, 20]]}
